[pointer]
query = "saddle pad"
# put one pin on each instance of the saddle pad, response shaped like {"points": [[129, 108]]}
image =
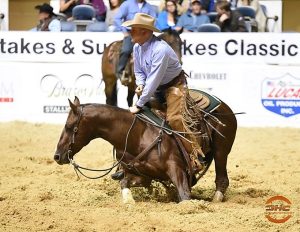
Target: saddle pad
{"points": [[153, 117], [207, 102]]}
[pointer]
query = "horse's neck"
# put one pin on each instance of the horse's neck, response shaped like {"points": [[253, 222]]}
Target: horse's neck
{"points": [[111, 124]]}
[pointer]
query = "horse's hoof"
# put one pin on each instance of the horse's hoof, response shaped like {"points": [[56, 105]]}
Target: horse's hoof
{"points": [[127, 196], [218, 197]]}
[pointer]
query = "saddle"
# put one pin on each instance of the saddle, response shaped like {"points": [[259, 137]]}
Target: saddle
{"points": [[208, 103], [155, 112]]}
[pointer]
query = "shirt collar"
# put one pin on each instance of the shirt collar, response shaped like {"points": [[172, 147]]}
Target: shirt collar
{"points": [[147, 43]]}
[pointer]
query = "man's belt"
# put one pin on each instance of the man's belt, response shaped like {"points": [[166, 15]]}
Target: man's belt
{"points": [[181, 78]]}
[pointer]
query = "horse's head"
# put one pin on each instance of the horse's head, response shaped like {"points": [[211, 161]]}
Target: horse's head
{"points": [[72, 138], [172, 37]]}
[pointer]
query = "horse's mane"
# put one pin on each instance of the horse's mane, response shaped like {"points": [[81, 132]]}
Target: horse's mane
{"points": [[97, 105], [170, 31]]}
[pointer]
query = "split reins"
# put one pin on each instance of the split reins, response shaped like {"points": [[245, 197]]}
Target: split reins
{"points": [[77, 167], [130, 165]]}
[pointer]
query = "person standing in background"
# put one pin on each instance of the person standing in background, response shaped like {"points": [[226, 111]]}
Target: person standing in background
{"points": [[114, 6], [100, 9], [66, 7], [260, 17]]}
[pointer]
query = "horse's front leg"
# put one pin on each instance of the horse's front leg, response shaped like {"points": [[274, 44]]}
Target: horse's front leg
{"points": [[126, 192], [131, 180], [179, 178]]}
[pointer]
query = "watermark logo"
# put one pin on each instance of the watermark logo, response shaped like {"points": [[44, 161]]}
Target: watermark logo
{"points": [[278, 209], [282, 95]]}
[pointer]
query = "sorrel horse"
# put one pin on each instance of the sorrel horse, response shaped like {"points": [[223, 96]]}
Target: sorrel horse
{"points": [[131, 136], [110, 61]]}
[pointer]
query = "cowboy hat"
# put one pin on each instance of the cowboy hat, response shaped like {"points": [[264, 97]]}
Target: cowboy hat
{"points": [[143, 21], [45, 8]]}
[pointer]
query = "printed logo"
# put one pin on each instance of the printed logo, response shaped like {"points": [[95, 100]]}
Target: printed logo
{"points": [[278, 209], [55, 88], [6, 91], [282, 95]]}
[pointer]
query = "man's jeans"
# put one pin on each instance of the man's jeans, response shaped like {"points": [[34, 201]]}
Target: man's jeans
{"points": [[126, 51]]}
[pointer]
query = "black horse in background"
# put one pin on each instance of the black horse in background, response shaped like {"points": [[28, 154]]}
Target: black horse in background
{"points": [[110, 61]]}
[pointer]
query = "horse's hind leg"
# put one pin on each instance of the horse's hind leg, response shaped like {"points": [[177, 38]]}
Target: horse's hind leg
{"points": [[130, 97], [111, 92], [222, 181]]}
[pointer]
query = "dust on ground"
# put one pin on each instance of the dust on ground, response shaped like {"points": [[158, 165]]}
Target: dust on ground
{"points": [[36, 194]]}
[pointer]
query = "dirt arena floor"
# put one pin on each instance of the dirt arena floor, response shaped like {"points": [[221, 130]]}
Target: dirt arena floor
{"points": [[36, 194]]}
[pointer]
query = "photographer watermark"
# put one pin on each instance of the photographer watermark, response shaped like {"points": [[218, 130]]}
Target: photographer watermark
{"points": [[278, 209]]}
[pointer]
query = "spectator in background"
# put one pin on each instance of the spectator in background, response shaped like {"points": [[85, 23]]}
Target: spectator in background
{"points": [[190, 21], [168, 17], [259, 14], [126, 12], [48, 20], [208, 6], [229, 20], [66, 7], [99, 8], [114, 6], [182, 6]]}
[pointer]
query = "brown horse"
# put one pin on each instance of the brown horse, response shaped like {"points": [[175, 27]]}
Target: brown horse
{"points": [[110, 61], [131, 137]]}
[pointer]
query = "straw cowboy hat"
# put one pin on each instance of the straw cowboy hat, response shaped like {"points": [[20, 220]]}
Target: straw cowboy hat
{"points": [[143, 21]]}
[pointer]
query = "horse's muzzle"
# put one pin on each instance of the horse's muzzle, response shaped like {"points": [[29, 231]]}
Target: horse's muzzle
{"points": [[59, 160]]}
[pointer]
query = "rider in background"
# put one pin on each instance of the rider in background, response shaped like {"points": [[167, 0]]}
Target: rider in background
{"points": [[126, 12]]}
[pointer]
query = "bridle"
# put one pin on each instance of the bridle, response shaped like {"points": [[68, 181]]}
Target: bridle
{"points": [[77, 168]]}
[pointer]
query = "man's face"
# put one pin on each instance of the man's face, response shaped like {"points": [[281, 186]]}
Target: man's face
{"points": [[220, 11], [139, 35], [196, 8], [43, 15]]}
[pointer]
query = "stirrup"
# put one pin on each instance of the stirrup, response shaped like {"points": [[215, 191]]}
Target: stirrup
{"points": [[119, 175]]}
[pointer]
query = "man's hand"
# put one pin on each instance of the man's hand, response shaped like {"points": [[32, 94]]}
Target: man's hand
{"points": [[134, 109], [139, 90], [223, 18]]}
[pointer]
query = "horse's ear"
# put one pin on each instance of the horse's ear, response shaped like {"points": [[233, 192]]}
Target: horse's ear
{"points": [[76, 101], [73, 107]]}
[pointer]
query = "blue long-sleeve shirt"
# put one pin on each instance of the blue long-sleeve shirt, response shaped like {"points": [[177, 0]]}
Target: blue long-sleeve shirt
{"points": [[127, 11], [155, 64], [162, 21], [191, 22]]}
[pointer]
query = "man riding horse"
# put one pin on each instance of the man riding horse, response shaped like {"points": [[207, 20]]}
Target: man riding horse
{"points": [[126, 12], [159, 73]]}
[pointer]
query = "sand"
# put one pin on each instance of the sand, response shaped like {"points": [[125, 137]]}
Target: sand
{"points": [[36, 194]]}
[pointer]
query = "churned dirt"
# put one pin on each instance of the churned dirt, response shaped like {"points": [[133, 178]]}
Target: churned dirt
{"points": [[36, 194]]}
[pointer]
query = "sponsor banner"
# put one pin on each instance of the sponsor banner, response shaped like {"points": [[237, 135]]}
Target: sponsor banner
{"points": [[36, 87], [282, 95], [41, 95], [274, 48]]}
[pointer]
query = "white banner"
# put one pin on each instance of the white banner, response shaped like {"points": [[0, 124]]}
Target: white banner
{"points": [[40, 71]]}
